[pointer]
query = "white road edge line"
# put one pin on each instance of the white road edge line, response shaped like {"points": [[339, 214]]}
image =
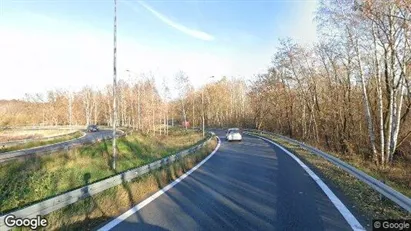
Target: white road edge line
{"points": [[348, 216], [141, 205], [44, 146]]}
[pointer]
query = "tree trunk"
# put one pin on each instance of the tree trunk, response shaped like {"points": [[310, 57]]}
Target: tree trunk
{"points": [[396, 122], [366, 104], [379, 96]]}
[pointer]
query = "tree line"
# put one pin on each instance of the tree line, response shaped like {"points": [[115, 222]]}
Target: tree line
{"points": [[351, 90], [348, 92], [139, 106]]}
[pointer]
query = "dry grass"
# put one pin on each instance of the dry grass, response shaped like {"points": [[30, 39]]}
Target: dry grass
{"points": [[364, 199], [15, 134], [397, 175], [38, 143], [23, 182], [94, 211]]}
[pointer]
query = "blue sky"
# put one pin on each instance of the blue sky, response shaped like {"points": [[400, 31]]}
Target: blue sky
{"points": [[68, 44]]}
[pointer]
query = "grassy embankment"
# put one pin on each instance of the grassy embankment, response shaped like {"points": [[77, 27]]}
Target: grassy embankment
{"points": [[23, 182], [93, 212], [363, 198], [9, 135], [38, 143]]}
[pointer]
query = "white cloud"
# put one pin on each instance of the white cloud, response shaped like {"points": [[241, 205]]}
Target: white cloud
{"points": [[304, 29], [50, 53], [35, 60], [191, 32]]}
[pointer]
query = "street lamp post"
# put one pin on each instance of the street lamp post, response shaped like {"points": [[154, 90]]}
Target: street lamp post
{"points": [[202, 106], [71, 109], [114, 87], [138, 102]]}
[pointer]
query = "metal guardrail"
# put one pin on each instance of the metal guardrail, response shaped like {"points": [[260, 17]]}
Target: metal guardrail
{"points": [[13, 143], [65, 145], [33, 128], [390, 193], [47, 206], [45, 127]]}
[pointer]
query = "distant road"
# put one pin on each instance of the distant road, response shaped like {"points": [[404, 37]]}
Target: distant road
{"points": [[252, 185], [88, 138]]}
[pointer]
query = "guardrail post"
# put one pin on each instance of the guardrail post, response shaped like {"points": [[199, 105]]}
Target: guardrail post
{"points": [[52, 204], [385, 191], [382, 197]]}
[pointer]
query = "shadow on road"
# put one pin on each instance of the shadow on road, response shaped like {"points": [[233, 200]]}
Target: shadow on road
{"points": [[93, 224], [246, 186]]}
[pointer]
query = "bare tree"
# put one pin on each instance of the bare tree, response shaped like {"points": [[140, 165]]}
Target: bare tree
{"points": [[182, 86]]}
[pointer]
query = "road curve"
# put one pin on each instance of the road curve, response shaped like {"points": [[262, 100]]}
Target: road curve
{"points": [[252, 185], [88, 138]]}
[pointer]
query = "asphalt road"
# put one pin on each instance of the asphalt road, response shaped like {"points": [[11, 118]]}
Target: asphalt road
{"points": [[88, 138], [251, 185]]}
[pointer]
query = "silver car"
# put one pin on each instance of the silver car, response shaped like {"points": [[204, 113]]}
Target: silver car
{"points": [[233, 134]]}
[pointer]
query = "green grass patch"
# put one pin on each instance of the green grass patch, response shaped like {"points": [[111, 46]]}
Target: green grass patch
{"points": [[94, 211], [363, 198], [38, 143], [9, 135], [23, 182], [397, 175]]}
